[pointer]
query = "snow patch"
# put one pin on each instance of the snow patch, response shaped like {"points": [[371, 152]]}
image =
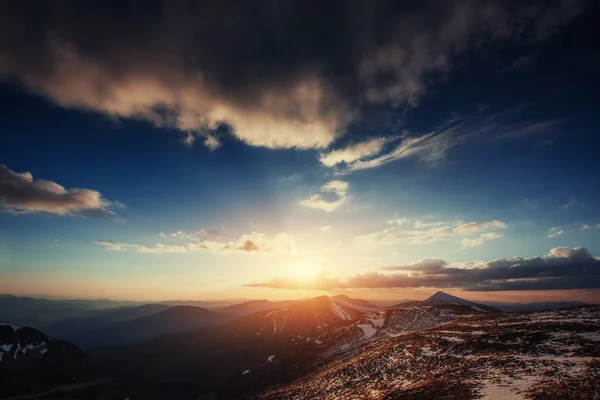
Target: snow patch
{"points": [[368, 330], [13, 326], [378, 322], [245, 372], [270, 358]]}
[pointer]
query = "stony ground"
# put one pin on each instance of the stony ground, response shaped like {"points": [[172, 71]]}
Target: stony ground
{"points": [[542, 355]]}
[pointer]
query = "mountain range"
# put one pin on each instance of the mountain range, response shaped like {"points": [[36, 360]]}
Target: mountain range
{"points": [[291, 349]]}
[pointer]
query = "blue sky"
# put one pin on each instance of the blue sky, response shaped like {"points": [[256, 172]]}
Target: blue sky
{"points": [[492, 156]]}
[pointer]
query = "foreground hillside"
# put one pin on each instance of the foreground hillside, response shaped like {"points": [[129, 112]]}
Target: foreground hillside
{"points": [[540, 355]]}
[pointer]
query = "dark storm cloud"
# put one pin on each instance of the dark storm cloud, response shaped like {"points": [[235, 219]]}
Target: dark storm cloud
{"points": [[20, 193], [280, 73], [562, 268]]}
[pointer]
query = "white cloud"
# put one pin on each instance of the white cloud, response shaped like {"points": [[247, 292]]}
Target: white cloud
{"points": [[195, 235], [586, 227], [156, 249], [212, 142], [481, 239], [555, 232], [114, 246], [479, 226], [281, 243], [162, 248], [353, 153], [325, 228], [21, 193], [338, 189], [407, 231]]}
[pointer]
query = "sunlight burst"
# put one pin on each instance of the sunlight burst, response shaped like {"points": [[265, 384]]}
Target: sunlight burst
{"points": [[304, 269]]}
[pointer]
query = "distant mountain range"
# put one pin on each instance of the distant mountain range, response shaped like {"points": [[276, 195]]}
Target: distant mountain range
{"points": [[540, 306], [166, 320]]}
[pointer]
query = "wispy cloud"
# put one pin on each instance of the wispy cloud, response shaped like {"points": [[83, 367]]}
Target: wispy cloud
{"points": [[571, 203], [481, 239], [21, 193], [254, 242], [354, 152], [195, 235], [338, 192], [586, 227], [114, 245], [156, 249], [555, 232], [325, 228], [561, 268], [432, 147], [282, 243], [408, 231]]}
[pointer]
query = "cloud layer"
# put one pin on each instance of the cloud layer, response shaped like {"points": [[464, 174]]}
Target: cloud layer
{"points": [[254, 242], [562, 268], [21, 193], [275, 79], [407, 231]]}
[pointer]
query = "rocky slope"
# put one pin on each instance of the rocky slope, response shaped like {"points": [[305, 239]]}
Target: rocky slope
{"points": [[540, 355]]}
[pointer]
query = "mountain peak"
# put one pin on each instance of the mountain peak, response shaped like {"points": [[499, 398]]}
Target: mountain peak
{"points": [[441, 298]]}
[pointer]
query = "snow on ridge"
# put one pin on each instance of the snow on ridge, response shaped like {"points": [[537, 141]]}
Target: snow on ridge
{"points": [[13, 326], [339, 312]]}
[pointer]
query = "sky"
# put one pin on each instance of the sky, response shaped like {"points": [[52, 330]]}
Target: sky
{"points": [[208, 150]]}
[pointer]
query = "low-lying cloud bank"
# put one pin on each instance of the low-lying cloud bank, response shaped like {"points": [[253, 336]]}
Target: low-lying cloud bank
{"points": [[561, 268], [21, 193], [254, 242]]}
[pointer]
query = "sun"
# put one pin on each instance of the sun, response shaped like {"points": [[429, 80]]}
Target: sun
{"points": [[304, 269]]}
